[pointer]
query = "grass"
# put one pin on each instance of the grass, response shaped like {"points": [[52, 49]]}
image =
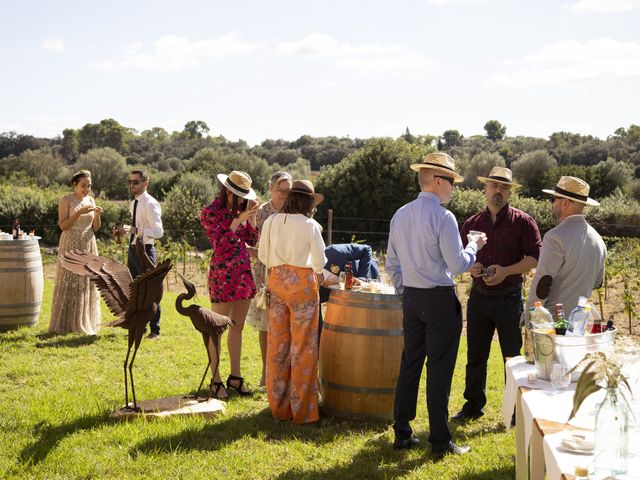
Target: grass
{"points": [[57, 393]]}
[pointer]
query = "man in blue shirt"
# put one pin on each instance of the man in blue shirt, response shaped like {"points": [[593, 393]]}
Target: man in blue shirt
{"points": [[424, 254]]}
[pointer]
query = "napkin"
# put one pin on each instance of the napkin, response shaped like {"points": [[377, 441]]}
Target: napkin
{"points": [[578, 440]]}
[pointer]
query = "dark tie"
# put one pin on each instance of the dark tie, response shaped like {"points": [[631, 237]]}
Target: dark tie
{"points": [[133, 224]]}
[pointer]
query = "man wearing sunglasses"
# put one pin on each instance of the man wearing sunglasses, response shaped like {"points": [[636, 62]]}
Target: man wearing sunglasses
{"points": [[423, 255], [146, 223], [495, 301]]}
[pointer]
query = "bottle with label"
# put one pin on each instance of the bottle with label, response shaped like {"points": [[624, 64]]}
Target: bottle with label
{"points": [[596, 326], [527, 328], [16, 229], [561, 320], [348, 276]]}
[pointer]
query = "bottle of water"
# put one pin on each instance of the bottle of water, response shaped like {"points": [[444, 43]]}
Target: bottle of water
{"points": [[541, 319], [578, 319]]}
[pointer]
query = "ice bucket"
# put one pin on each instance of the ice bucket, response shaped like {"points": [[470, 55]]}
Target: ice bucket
{"points": [[550, 349]]}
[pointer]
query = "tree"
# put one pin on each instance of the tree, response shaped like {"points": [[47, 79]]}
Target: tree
{"points": [[70, 145], [41, 165], [195, 129], [495, 130], [529, 171], [451, 138], [480, 166], [108, 171], [408, 137], [107, 133]]}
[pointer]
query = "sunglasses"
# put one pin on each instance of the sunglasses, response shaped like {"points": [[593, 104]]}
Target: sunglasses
{"points": [[448, 179], [135, 182]]}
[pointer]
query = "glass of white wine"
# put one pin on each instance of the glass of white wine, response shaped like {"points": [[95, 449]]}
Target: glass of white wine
{"points": [[560, 378]]}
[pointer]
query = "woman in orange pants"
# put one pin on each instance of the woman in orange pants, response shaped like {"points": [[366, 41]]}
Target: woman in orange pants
{"points": [[292, 248]]}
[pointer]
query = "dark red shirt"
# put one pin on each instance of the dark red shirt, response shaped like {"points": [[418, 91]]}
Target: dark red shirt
{"points": [[515, 235]]}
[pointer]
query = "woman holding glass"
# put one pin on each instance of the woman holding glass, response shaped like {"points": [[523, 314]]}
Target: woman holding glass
{"points": [[230, 224], [76, 301], [279, 187], [292, 248]]}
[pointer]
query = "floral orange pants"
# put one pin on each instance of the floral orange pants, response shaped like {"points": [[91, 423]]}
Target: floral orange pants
{"points": [[292, 345]]}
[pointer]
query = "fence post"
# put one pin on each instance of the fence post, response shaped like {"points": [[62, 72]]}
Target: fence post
{"points": [[329, 226]]}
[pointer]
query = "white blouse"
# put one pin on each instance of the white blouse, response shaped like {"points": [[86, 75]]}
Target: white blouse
{"points": [[292, 239]]}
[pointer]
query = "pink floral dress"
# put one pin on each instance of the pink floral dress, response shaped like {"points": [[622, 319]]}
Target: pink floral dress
{"points": [[230, 276]]}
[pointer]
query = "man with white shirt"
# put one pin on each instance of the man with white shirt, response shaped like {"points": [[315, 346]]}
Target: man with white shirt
{"points": [[147, 223], [423, 255]]}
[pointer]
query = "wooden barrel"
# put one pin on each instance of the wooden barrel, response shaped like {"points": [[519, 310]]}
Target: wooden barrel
{"points": [[21, 283], [360, 350]]}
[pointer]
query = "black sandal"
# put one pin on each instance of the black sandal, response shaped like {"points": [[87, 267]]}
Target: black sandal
{"points": [[214, 389], [239, 387]]}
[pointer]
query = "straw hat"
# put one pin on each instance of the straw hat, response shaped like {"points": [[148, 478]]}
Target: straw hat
{"points": [[500, 175], [439, 161], [306, 187], [572, 188], [239, 183]]}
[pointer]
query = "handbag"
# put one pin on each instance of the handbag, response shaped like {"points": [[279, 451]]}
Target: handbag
{"points": [[262, 297]]}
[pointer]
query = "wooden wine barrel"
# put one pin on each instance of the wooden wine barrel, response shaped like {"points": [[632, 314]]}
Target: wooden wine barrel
{"points": [[21, 283], [360, 350]]}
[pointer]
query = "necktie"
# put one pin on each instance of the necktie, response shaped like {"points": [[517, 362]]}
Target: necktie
{"points": [[133, 222]]}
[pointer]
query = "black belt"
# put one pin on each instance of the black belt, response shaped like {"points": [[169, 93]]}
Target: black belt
{"points": [[498, 292], [439, 287]]}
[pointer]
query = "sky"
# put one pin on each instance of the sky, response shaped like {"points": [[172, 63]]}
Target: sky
{"points": [[256, 69]]}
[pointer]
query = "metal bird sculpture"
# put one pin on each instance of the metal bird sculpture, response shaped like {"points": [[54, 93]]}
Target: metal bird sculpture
{"points": [[210, 324], [133, 301]]}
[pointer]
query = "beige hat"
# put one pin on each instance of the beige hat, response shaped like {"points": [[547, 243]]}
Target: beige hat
{"points": [[239, 183], [306, 187], [500, 175], [572, 188], [438, 161]]}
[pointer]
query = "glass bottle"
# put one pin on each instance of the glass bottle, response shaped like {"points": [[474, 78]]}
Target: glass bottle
{"points": [[561, 321], [348, 276], [527, 328], [16, 229], [597, 320], [611, 436], [610, 323]]}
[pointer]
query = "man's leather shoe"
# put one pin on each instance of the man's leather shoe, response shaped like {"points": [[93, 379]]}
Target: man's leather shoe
{"points": [[465, 416], [453, 449], [153, 336], [405, 443]]}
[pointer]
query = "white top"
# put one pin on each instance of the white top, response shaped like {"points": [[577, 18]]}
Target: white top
{"points": [[292, 239], [148, 218]]}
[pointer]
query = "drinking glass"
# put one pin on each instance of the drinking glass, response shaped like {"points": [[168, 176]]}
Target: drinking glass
{"points": [[341, 280], [560, 378]]}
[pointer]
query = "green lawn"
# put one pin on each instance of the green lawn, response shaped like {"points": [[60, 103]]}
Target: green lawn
{"points": [[57, 392]]}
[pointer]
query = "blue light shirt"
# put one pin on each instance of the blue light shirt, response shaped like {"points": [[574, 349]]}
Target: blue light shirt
{"points": [[425, 249]]}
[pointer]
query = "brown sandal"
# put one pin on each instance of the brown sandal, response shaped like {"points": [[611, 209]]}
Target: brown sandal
{"points": [[239, 387], [214, 390]]}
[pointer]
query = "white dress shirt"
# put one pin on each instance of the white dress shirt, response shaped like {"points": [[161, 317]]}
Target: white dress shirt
{"points": [[148, 218]]}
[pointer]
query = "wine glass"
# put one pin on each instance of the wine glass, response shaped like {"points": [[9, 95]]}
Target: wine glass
{"points": [[560, 378], [341, 280]]}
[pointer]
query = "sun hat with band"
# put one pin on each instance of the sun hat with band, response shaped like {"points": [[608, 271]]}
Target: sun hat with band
{"points": [[306, 187], [441, 162], [500, 175], [239, 183], [572, 188]]}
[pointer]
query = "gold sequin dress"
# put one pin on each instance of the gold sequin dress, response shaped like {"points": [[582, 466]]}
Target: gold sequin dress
{"points": [[76, 301]]}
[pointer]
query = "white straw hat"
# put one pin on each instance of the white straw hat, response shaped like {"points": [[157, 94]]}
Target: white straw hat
{"points": [[239, 183]]}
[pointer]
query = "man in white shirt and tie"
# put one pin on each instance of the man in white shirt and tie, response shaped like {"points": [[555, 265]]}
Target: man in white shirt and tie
{"points": [[147, 223]]}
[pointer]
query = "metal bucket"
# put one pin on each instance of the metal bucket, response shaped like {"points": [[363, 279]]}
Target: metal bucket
{"points": [[550, 349]]}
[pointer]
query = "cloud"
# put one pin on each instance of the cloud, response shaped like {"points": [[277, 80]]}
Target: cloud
{"points": [[53, 44], [173, 53], [605, 6], [440, 3], [569, 62], [360, 58]]}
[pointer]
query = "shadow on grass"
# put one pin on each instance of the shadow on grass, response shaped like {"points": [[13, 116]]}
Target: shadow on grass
{"points": [[49, 436], [52, 340], [216, 435], [470, 430]]}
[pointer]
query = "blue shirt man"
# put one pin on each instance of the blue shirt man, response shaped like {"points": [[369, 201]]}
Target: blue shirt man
{"points": [[423, 255]]}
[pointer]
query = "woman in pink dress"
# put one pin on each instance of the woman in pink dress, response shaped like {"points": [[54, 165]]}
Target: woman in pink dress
{"points": [[230, 224]]}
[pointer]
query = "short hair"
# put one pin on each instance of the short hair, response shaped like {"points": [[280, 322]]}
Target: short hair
{"points": [[80, 174], [142, 173], [298, 202], [279, 176]]}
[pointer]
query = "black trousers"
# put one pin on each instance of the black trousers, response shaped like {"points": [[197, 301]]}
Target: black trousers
{"points": [[136, 268], [432, 320], [485, 315]]}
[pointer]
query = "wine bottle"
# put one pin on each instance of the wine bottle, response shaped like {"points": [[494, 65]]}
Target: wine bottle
{"points": [[610, 324], [348, 276]]}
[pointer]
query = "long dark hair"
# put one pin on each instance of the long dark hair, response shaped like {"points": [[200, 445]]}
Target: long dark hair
{"points": [[298, 202], [238, 204]]}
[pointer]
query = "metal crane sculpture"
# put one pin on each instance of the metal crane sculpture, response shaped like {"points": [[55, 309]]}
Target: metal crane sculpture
{"points": [[133, 301], [210, 324]]}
